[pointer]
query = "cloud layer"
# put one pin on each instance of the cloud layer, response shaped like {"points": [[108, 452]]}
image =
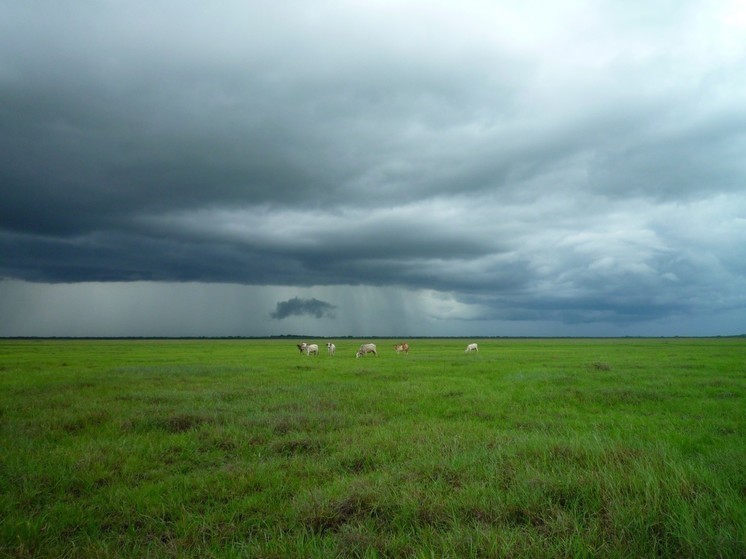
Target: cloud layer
{"points": [[299, 307], [579, 162]]}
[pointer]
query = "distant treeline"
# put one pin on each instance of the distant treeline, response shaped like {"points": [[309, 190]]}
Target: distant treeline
{"points": [[305, 337]]}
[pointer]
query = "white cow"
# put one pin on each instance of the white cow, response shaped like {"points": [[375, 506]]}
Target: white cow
{"points": [[401, 347], [330, 348], [367, 348], [472, 347], [312, 348], [302, 347]]}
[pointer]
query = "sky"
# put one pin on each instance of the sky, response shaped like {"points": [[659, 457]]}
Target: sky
{"points": [[372, 168]]}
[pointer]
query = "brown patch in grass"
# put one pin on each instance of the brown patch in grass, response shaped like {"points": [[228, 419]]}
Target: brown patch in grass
{"points": [[519, 516], [622, 455], [181, 422], [357, 541], [330, 515], [296, 446], [444, 474], [285, 424], [358, 464], [568, 454], [93, 419], [176, 423]]}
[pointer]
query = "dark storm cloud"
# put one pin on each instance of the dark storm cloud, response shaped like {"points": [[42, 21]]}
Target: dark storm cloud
{"points": [[581, 161], [300, 307]]}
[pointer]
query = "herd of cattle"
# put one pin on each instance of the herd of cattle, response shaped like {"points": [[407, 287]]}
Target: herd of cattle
{"points": [[313, 349]]}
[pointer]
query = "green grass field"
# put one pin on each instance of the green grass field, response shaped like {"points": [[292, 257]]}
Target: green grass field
{"points": [[245, 448]]}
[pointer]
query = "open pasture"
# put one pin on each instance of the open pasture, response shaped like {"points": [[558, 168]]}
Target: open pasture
{"points": [[247, 448]]}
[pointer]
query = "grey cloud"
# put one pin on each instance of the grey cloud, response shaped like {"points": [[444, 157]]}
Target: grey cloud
{"points": [[507, 159], [299, 307]]}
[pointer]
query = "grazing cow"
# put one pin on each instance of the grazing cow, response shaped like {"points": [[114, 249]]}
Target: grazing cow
{"points": [[366, 348], [312, 348], [472, 347], [401, 348], [302, 347], [330, 348]]}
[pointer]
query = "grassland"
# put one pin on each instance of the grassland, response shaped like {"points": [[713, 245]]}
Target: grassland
{"points": [[235, 448]]}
